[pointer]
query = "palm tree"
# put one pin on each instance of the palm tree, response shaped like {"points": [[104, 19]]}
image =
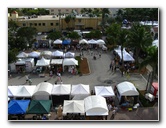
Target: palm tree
{"points": [[151, 59], [121, 40], [139, 38], [112, 33], [67, 20]]}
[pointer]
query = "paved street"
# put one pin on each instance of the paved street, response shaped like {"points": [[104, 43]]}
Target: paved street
{"points": [[100, 75]]}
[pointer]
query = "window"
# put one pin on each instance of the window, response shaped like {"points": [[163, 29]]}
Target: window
{"points": [[57, 24], [35, 24], [24, 24], [79, 20], [44, 24], [52, 10], [51, 24], [39, 24], [30, 24]]}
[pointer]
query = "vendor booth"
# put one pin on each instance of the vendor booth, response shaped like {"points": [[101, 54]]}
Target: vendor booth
{"points": [[95, 107], [68, 62], [73, 109], [21, 91], [24, 65], [105, 91], [59, 93], [127, 90], [154, 89], [80, 89], [42, 91]]}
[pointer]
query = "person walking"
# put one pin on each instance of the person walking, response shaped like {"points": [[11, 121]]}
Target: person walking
{"points": [[113, 114]]}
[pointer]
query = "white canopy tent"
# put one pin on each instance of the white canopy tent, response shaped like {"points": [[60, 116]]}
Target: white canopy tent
{"points": [[95, 106], [22, 55], [69, 62], [100, 42], [155, 43], [69, 55], [92, 41], [34, 54], [46, 54], [12, 90], [20, 62], [42, 91], [126, 55], [21, 90], [80, 89], [73, 106], [61, 89], [43, 62], [56, 61], [57, 53], [83, 41], [58, 41], [126, 89], [105, 91]]}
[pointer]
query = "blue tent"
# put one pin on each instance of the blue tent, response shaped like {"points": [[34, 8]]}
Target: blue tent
{"points": [[18, 106], [66, 42]]}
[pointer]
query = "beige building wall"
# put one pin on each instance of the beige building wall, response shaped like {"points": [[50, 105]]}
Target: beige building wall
{"points": [[48, 22]]}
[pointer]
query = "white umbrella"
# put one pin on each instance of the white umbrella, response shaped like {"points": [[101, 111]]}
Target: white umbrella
{"points": [[69, 55]]}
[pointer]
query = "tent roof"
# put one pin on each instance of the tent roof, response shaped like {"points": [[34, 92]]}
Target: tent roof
{"points": [[92, 41], [70, 61], [34, 54], [43, 62], [66, 41], [73, 106], [56, 61], [100, 41], [127, 89], [58, 41], [80, 89], [69, 54], [43, 87], [83, 41], [39, 107], [95, 106], [18, 106], [22, 55], [61, 89], [21, 90], [155, 85], [126, 55], [57, 53], [104, 91]]}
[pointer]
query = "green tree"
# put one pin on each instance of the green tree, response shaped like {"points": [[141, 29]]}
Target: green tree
{"points": [[54, 35], [139, 39], [151, 59], [122, 40], [12, 55], [112, 34], [28, 34], [73, 35], [67, 20]]}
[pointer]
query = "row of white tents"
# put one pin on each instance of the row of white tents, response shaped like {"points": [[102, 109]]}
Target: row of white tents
{"points": [[82, 102], [43, 90], [84, 41], [37, 54]]}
